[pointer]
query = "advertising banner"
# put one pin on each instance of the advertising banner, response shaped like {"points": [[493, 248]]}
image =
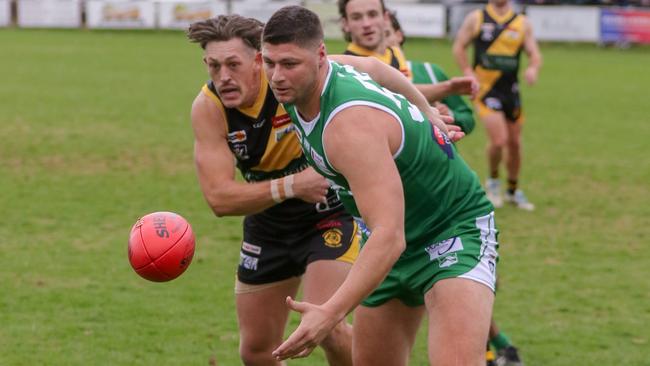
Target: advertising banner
{"points": [[5, 13], [260, 9], [328, 12], [421, 20], [180, 14], [625, 25], [120, 14], [49, 13], [564, 23]]}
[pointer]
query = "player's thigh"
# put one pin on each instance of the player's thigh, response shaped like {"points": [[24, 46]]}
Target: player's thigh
{"points": [[384, 335], [459, 312], [322, 278], [495, 127], [332, 247], [262, 311]]}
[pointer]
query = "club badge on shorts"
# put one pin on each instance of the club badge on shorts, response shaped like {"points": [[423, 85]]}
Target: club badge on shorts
{"points": [[333, 237]]}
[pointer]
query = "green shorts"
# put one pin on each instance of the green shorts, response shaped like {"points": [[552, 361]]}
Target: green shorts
{"points": [[472, 254]]}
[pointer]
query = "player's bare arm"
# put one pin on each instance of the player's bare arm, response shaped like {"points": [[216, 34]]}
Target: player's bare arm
{"points": [[393, 80], [534, 55], [374, 179], [459, 85], [215, 165], [461, 42]]}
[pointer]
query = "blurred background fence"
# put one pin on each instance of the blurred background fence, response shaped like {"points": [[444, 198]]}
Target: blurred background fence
{"points": [[597, 21]]}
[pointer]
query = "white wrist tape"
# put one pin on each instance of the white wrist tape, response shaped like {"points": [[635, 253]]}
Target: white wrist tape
{"points": [[288, 186], [275, 193]]}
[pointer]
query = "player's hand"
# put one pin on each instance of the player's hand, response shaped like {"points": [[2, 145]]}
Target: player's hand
{"points": [[310, 186], [455, 133], [444, 110], [463, 85], [531, 75], [315, 324]]}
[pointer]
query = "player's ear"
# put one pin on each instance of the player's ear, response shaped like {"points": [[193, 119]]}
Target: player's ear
{"points": [[344, 25], [205, 60], [322, 54], [258, 58]]}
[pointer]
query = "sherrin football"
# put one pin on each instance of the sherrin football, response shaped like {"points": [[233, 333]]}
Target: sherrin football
{"points": [[161, 246]]}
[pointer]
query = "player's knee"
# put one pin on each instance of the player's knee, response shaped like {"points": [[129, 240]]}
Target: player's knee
{"points": [[340, 337], [252, 354]]}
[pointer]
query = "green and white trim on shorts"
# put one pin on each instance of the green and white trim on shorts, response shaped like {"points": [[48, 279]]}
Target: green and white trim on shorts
{"points": [[472, 254]]}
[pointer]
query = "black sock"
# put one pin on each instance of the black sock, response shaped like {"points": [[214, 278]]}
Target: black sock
{"points": [[512, 186]]}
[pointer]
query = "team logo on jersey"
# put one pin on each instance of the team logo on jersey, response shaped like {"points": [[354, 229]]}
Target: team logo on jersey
{"points": [[487, 32], [281, 120], [443, 142], [320, 162], [333, 237], [241, 151], [237, 136], [283, 132], [260, 123]]}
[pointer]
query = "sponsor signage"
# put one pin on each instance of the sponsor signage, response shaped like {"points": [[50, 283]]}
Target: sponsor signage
{"points": [[48, 13], [564, 23], [625, 25], [422, 20], [5, 13], [180, 14], [120, 14], [260, 9]]}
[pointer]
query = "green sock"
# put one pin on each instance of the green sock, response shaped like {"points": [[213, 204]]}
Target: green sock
{"points": [[500, 341]]}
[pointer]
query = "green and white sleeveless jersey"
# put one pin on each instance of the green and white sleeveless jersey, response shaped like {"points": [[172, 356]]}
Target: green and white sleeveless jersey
{"points": [[440, 190]]}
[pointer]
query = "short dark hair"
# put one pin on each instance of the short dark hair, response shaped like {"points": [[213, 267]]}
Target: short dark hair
{"points": [[225, 28], [343, 3], [293, 24]]}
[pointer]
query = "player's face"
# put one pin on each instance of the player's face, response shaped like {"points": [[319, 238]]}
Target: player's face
{"points": [[235, 71], [292, 71], [366, 23], [393, 38]]}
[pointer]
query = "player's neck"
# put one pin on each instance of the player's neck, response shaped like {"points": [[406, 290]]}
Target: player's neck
{"points": [[379, 50], [309, 106]]}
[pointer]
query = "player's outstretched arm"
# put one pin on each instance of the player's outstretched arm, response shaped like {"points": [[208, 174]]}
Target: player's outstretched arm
{"points": [[359, 142], [215, 166]]}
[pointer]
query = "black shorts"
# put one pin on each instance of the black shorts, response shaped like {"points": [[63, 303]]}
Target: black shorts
{"points": [[268, 256], [503, 97]]}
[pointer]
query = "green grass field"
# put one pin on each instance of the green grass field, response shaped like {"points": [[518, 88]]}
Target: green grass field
{"points": [[94, 132]]}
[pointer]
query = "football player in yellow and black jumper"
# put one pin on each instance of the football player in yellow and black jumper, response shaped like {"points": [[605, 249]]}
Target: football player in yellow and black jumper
{"points": [[499, 35], [295, 229], [364, 24]]}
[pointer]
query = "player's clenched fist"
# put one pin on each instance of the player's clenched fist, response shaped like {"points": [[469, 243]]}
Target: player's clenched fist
{"points": [[310, 186]]}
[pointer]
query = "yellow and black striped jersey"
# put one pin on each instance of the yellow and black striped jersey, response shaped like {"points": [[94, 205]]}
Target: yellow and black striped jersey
{"points": [[393, 56], [498, 42], [261, 137]]}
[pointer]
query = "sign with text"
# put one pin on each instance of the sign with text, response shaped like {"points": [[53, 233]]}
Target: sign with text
{"points": [[421, 20], [260, 9], [625, 25], [180, 14], [120, 14], [564, 23], [5, 13], [49, 13]]}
